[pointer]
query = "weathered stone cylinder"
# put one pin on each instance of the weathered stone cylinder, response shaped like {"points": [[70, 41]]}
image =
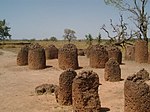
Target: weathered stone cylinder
{"points": [[64, 91], [149, 58], [112, 71], [141, 51], [36, 57], [137, 92], [81, 52], [68, 57], [130, 52], [22, 57], [98, 56], [115, 53], [88, 51], [85, 92], [51, 52]]}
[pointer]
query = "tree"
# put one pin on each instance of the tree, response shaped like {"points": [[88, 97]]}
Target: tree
{"points": [[99, 38], [69, 35], [139, 15], [89, 39], [53, 39], [121, 37], [4, 30]]}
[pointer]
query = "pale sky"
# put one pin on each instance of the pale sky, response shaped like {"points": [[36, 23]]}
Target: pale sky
{"points": [[46, 18]]}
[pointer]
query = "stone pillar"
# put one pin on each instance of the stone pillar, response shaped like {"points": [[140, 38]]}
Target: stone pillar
{"points": [[36, 57], [85, 92], [149, 58], [81, 52], [68, 57], [141, 51], [64, 91], [130, 52], [88, 51], [98, 56], [115, 53], [22, 57], [51, 52], [112, 71], [137, 92]]}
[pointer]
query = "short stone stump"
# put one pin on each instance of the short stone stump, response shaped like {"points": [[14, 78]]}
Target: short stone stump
{"points": [[112, 71], [68, 57], [64, 91], [22, 57], [85, 92], [81, 52], [137, 92], [88, 49], [51, 52], [36, 57], [141, 51], [45, 89], [115, 53], [130, 52], [98, 56]]}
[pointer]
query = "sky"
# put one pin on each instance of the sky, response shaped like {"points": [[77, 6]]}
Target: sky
{"points": [[41, 19]]}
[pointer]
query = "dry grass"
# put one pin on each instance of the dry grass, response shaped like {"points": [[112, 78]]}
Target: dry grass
{"points": [[14, 46]]}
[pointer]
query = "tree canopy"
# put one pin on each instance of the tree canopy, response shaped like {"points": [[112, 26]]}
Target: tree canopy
{"points": [[89, 39], [139, 16], [69, 35], [4, 30]]}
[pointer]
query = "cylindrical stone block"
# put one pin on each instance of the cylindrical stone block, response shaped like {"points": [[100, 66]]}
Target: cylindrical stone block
{"points": [[64, 91], [98, 56], [85, 92], [81, 52], [141, 51], [51, 52], [130, 52], [36, 57], [88, 51], [137, 92], [112, 71], [68, 57], [22, 57], [115, 53], [149, 58]]}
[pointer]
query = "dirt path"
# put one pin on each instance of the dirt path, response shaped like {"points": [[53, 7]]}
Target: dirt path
{"points": [[17, 85]]}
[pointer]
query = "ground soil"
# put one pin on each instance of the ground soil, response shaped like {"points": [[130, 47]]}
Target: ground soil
{"points": [[18, 83]]}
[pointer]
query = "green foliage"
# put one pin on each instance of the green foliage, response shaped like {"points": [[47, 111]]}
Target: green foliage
{"points": [[4, 30], [69, 35], [89, 39], [45, 39], [99, 38], [53, 39], [33, 39]]}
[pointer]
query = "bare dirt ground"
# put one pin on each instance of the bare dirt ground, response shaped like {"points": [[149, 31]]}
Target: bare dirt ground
{"points": [[17, 85]]}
